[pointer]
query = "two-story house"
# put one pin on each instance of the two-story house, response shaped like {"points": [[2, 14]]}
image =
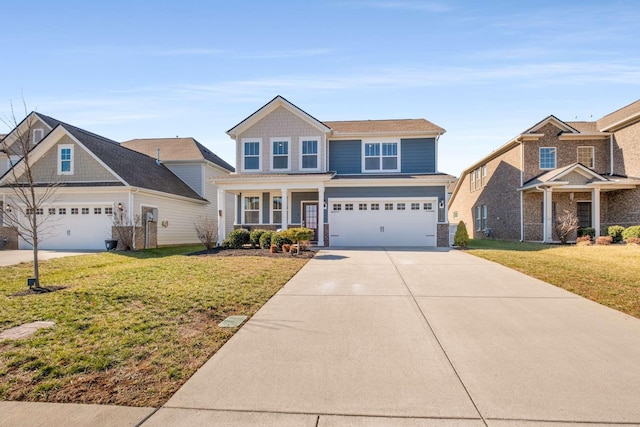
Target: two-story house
{"points": [[94, 176], [591, 169], [355, 183]]}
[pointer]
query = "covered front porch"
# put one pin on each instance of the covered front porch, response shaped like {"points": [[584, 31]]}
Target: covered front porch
{"points": [[273, 202], [575, 189]]}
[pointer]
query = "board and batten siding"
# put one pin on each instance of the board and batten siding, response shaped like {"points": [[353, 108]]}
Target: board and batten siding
{"points": [[418, 155], [280, 123], [179, 214], [345, 157]]}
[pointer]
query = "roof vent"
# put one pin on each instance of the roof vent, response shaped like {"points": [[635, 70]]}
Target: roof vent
{"points": [[158, 156]]}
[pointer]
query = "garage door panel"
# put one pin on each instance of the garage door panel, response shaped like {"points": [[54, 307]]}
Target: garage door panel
{"points": [[402, 222]]}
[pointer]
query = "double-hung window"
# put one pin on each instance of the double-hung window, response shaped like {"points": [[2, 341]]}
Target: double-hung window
{"points": [[585, 156], [65, 159], [276, 206], [251, 209], [547, 157], [309, 153], [381, 157], [280, 153], [251, 155]]}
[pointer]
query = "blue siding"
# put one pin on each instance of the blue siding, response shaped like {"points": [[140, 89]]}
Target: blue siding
{"points": [[345, 157], [418, 155], [296, 204], [265, 208], [341, 192]]}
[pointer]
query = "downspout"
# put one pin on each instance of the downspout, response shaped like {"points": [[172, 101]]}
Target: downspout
{"points": [[611, 154], [521, 194]]}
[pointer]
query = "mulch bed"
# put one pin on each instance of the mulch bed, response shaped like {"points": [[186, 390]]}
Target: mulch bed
{"points": [[38, 291], [251, 252]]}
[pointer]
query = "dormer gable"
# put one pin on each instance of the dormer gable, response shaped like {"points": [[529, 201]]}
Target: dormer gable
{"points": [[553, 120]]}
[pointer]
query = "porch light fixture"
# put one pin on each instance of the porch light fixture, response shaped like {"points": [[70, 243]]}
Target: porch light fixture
{"points": [[120, 206]]}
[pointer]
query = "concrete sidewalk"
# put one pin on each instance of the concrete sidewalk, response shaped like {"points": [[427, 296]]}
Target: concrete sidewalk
{"points": [[418, 338]]}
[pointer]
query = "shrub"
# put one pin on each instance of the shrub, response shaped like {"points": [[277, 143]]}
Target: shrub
{"points": [[566, 223], [278, 240], [633, 231], [587, 231], [583, 241], [238, 238], [226, 244], [615, 231], [604, 240], [265, 239], [254, 238], [461, 238], [633, 241], [207, 231]]}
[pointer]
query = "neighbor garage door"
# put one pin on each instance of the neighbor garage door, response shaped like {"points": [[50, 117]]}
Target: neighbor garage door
{"points": [[75, 227], [382, 222]]}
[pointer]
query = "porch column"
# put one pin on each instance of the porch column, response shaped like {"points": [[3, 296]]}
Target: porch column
{"points": [[595, 207], [221, 216], [320, 215], [548, 215], [285, 208]]}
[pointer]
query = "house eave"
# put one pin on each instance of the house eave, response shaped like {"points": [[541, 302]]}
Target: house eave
{"points": [[622, 123], [365, 135], [584, 136]]}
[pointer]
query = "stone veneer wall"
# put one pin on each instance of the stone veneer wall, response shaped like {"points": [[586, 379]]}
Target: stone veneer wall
{"points": [[12, 237], [443, 236]]}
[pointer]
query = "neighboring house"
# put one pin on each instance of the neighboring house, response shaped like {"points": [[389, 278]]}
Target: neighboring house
{"points": [[591, 169], [193, 163], [97, 176], [355, 183]]}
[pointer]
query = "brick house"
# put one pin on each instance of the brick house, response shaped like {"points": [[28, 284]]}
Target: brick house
{"points": [[589, 168]]}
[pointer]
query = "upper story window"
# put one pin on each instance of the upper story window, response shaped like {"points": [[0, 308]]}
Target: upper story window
{"points": [[381, 157], [280, 154], [478, 177], [547, 157], [586, 157], [309, 153], [251, 155], [65, 159], [37, 136]]}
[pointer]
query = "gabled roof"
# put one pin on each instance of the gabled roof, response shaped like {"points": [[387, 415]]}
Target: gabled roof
{"points": [[176, 149], [559, 173], [563, 126], [263, 111], [560, 179], [392, 126], [133, 168]]}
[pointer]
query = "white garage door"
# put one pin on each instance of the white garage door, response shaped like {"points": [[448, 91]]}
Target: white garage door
{"points": [[382, 222], [75, 228]]}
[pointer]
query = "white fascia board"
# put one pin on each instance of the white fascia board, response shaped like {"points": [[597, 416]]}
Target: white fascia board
{"points": [[584, 136], [337, 136], [387, 182], [628, 120]]}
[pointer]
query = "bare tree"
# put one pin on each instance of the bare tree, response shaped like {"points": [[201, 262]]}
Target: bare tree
{"points": [[26, 209], [207, 231], [566, 223], [125, 227]]}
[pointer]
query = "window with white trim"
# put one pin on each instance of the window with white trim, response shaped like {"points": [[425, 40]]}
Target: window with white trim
{"points": [[37, 136], [280, 153], [415, 206], [547, 157], [381, 157], [401, 206], [586, 156], [362, 206], [62, 211], [348, 206], [97, 211], [481, 218], [309, 153], [388, 206], [375, 206], [276, 206], [428, 206], [108, 211], [251, 155], [74, 211], [85, 211], [65, 159], [337, 207], [39, 211], [52, 211], [251, 210]]}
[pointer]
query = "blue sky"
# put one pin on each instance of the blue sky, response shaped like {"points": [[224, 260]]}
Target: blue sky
{"points": [[485, 71]]}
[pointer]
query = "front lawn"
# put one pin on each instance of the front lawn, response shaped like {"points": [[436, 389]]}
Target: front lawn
{"points": [[130, 327], [609, 275]]}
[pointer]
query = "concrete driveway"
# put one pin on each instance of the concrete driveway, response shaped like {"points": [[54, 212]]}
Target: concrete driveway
{"points": [[16, 257], [418, 338]]}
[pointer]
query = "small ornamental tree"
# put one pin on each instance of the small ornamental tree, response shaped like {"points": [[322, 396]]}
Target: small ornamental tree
{"points": [[207, 231], [461, 238], [124, 228], [566, 223]]}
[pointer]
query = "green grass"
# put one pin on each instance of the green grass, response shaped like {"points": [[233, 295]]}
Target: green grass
{"points": [[609, 275], [130, 327]]}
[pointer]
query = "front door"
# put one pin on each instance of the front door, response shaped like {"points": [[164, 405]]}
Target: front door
{"points": [[310, 217], [584, 214]]}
